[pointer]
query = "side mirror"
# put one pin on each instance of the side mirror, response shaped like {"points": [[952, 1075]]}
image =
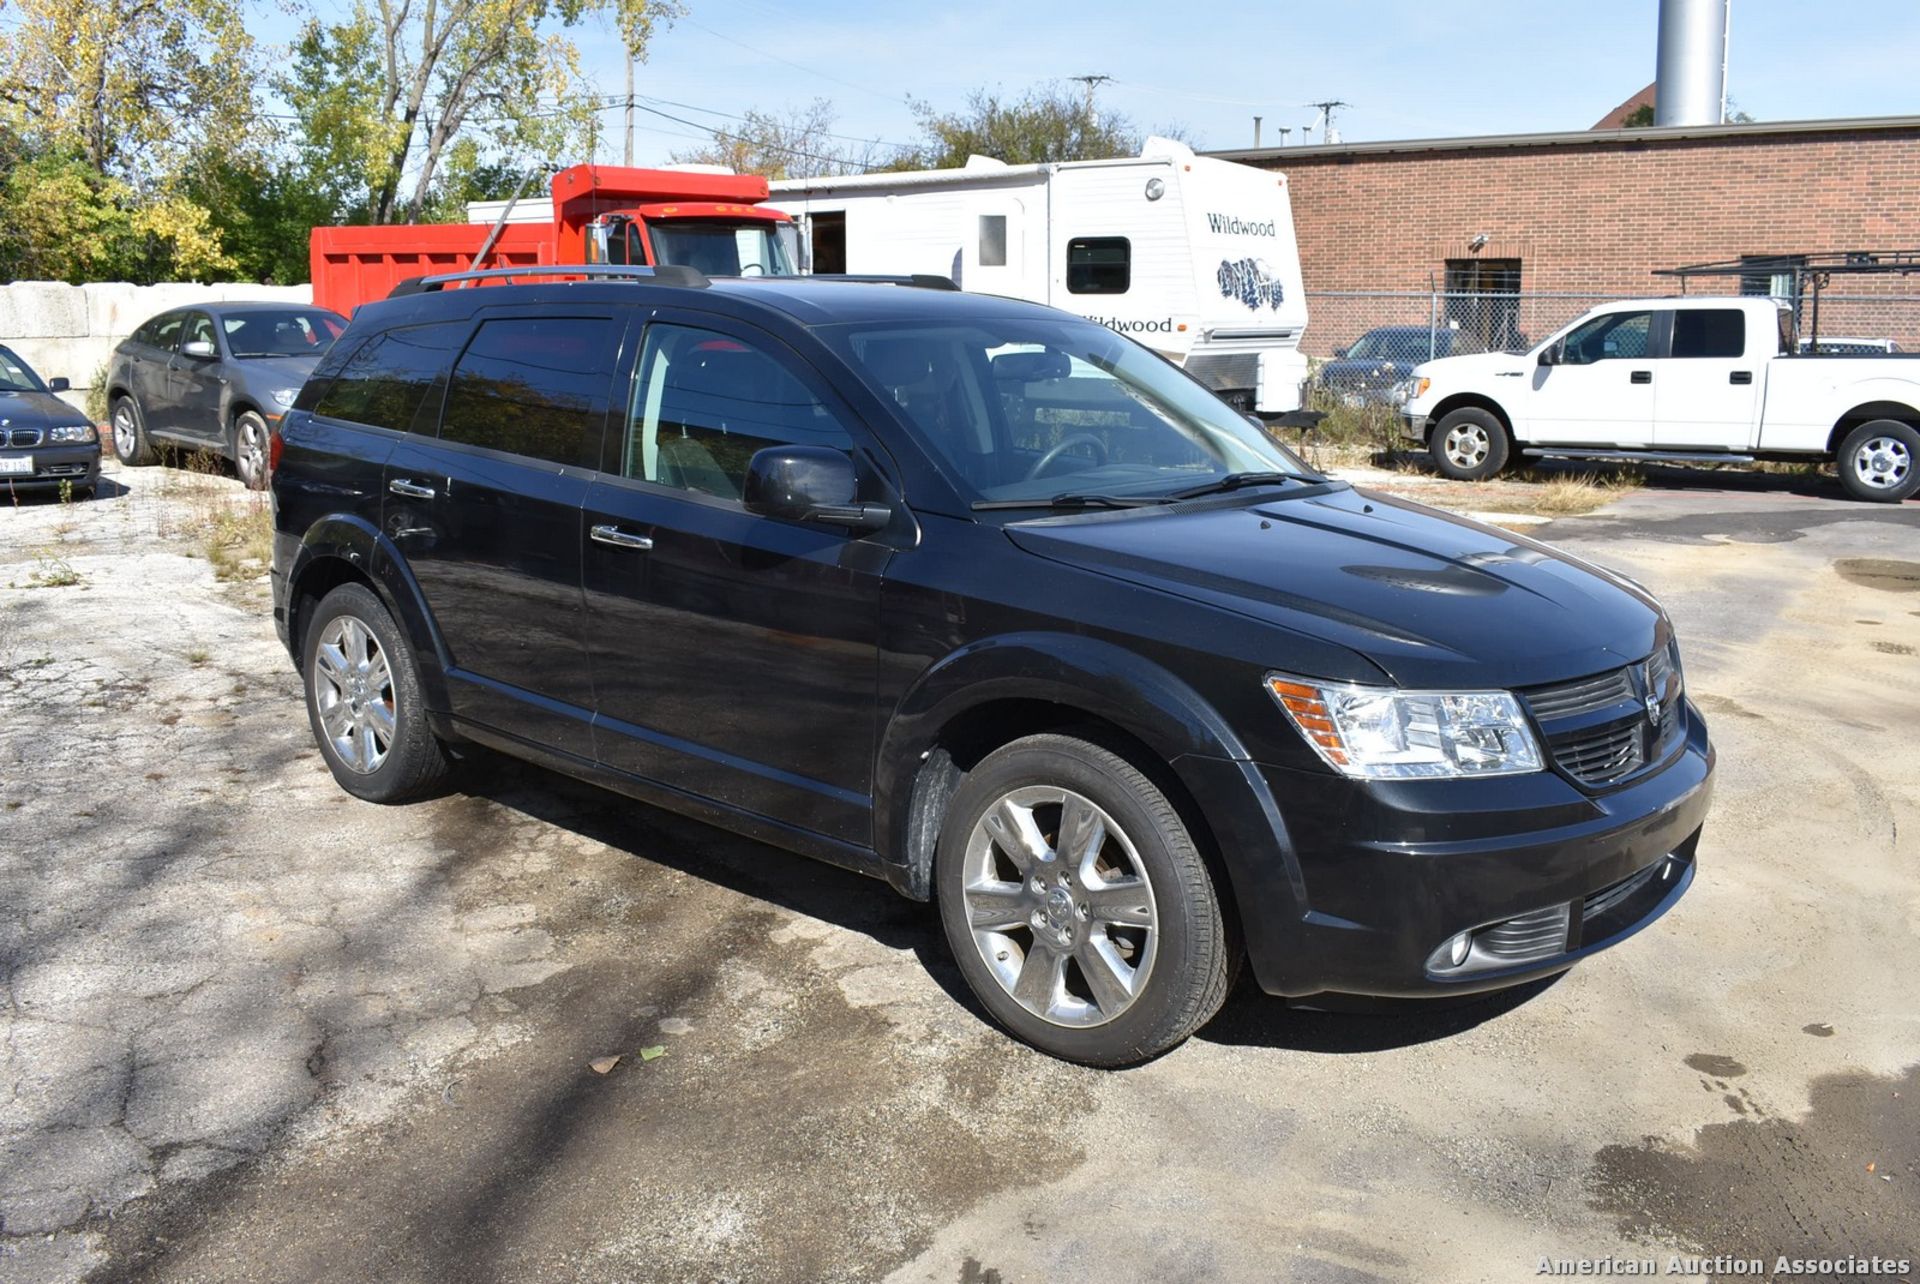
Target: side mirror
{"points": [[58, 385], [809, 484], [1340, 354], [1550, 355], [198, 349]]}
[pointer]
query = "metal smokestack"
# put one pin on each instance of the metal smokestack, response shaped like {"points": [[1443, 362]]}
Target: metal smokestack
{"points": [[1692, 63]]}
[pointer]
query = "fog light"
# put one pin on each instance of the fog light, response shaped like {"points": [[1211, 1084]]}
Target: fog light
{"points": [[1456, 949]]}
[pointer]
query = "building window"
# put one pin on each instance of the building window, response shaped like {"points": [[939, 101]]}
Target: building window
{"points": [[993, 240], [1483, 305], [1099, 265]]}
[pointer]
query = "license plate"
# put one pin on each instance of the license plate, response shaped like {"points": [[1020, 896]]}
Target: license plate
{"points": [[17, 466]]}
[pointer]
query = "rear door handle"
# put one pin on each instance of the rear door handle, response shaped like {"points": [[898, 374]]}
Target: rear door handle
{"points": [[1641, 376], [618, 538], [411, 489], [1740, 376]]}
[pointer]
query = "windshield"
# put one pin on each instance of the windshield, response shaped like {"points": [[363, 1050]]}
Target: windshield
{"points": [[294, 332], [1032, 408], [1399, 345], [16, 375], [722, 249]]}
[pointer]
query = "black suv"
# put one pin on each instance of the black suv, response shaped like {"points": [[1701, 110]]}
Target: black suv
{"points": [[985, 600]]}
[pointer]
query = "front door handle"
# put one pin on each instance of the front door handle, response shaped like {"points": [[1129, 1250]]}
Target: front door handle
{"points": [[411, 489], [1740, 376], [1641, 376], [618, 538]]}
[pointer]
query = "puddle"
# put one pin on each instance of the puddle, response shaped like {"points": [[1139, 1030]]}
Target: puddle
{"points": [[1880, 573], [1845, 1179]]}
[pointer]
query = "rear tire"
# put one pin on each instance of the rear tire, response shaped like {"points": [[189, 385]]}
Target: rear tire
{"points": [[1469, 444], [1077, 905], [1880, 461], [130, 444], [364, 700]]}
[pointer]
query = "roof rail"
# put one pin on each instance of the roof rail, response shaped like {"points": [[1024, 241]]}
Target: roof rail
{"points": [[669, 274], [919, 280]]}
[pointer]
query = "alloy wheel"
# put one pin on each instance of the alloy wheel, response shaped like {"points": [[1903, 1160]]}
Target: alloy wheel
{"points": [[353, 690], [126, 435], [1882, 462], [1467, 446], [1059, 906], [250, 450]]}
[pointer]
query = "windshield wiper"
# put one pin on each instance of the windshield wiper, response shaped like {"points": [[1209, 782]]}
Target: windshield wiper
{"points": [[1070, 501], [1234, 481]]}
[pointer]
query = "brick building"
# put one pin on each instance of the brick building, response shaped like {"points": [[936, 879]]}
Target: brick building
{"points": [[1592, 213]]}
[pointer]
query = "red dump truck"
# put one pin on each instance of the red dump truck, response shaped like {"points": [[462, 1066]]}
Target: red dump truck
{"points": [[716, 222]]}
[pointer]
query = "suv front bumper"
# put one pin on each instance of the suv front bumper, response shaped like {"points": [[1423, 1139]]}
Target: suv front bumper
{"points": [[1353, 887]]}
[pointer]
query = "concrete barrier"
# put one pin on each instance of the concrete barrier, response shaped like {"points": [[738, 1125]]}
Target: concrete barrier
{"points": [[70, 330]]}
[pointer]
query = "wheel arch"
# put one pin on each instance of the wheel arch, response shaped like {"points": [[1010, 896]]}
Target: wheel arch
{"points": [[345, 549], [1467, 401], [1867, 412]]}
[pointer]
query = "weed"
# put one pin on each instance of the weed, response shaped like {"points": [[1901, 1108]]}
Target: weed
{"points": [[198, 656], [49, 570], [239, 541]]}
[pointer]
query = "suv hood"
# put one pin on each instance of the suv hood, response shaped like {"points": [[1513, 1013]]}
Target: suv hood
{"points": [[1431, 599], [37, 410]]}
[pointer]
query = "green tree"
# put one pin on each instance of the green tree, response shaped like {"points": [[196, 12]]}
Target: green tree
{"points": [[384, 95], [1044, 125]]}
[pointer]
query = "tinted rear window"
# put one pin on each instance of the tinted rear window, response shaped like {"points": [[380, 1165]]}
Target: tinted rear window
{"points": [[1709, 332], [533, 386], [383, 383]]}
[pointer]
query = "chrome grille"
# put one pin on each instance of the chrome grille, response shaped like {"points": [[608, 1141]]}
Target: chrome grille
{"points": [[1571, 699], [21, 438], [1604, 754], [1225, 370], [1536, 935], [1608, 897]]}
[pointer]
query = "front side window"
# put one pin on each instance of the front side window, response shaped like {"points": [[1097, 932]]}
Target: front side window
{"points": [[532, 386], [704, 402], [199, 329], [383, 384], [1617, 335], [722, 249], [295, 332], [1709, 332], [1099, 265], [1017, 409]]}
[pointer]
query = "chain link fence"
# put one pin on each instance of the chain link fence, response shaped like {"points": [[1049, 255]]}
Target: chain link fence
{"points": [[1364, 341]]}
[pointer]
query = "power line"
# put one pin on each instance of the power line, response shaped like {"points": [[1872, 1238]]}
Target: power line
{"points": [[811, 71]]}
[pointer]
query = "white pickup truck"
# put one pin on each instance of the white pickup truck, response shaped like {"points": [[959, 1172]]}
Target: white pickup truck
{"points": [[1689, 379]]}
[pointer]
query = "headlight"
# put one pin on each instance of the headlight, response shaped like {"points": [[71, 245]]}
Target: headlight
{"points": [[285, 397], [1407, 389], [1384, 733], [73, 433]]}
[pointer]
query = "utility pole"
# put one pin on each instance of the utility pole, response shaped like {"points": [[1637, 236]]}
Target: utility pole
{"points": [[1328, 134], [629, 154], [1090, 82]]}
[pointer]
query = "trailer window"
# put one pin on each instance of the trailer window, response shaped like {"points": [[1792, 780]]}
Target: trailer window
{"points": [[533, 386], [1099, 265], [1709, 332], [993, 240]]}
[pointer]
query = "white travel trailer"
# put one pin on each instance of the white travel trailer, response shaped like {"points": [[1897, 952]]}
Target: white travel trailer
{"points": [[1194, 257]]}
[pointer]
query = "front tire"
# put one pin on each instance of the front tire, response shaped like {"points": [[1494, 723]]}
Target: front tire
{"points": [[1077, 905], [364, 700], [249, 447], [130, 444], [1880, 461], [1470, 444]]}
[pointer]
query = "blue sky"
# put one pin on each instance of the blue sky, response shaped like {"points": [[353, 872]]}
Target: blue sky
{"points": [[1410, 69]]}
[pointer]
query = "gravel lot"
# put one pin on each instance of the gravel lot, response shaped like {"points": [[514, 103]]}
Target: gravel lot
{"points": [[256, 1030]]}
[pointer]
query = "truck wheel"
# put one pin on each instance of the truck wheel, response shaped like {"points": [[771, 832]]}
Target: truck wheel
{"points": [[1469, 445], [1880, 461], [1078, 908]]}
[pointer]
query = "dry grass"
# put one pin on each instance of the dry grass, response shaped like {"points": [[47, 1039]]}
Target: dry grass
{"points": [[1571, 494], [239, 540], [230, 526]]}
